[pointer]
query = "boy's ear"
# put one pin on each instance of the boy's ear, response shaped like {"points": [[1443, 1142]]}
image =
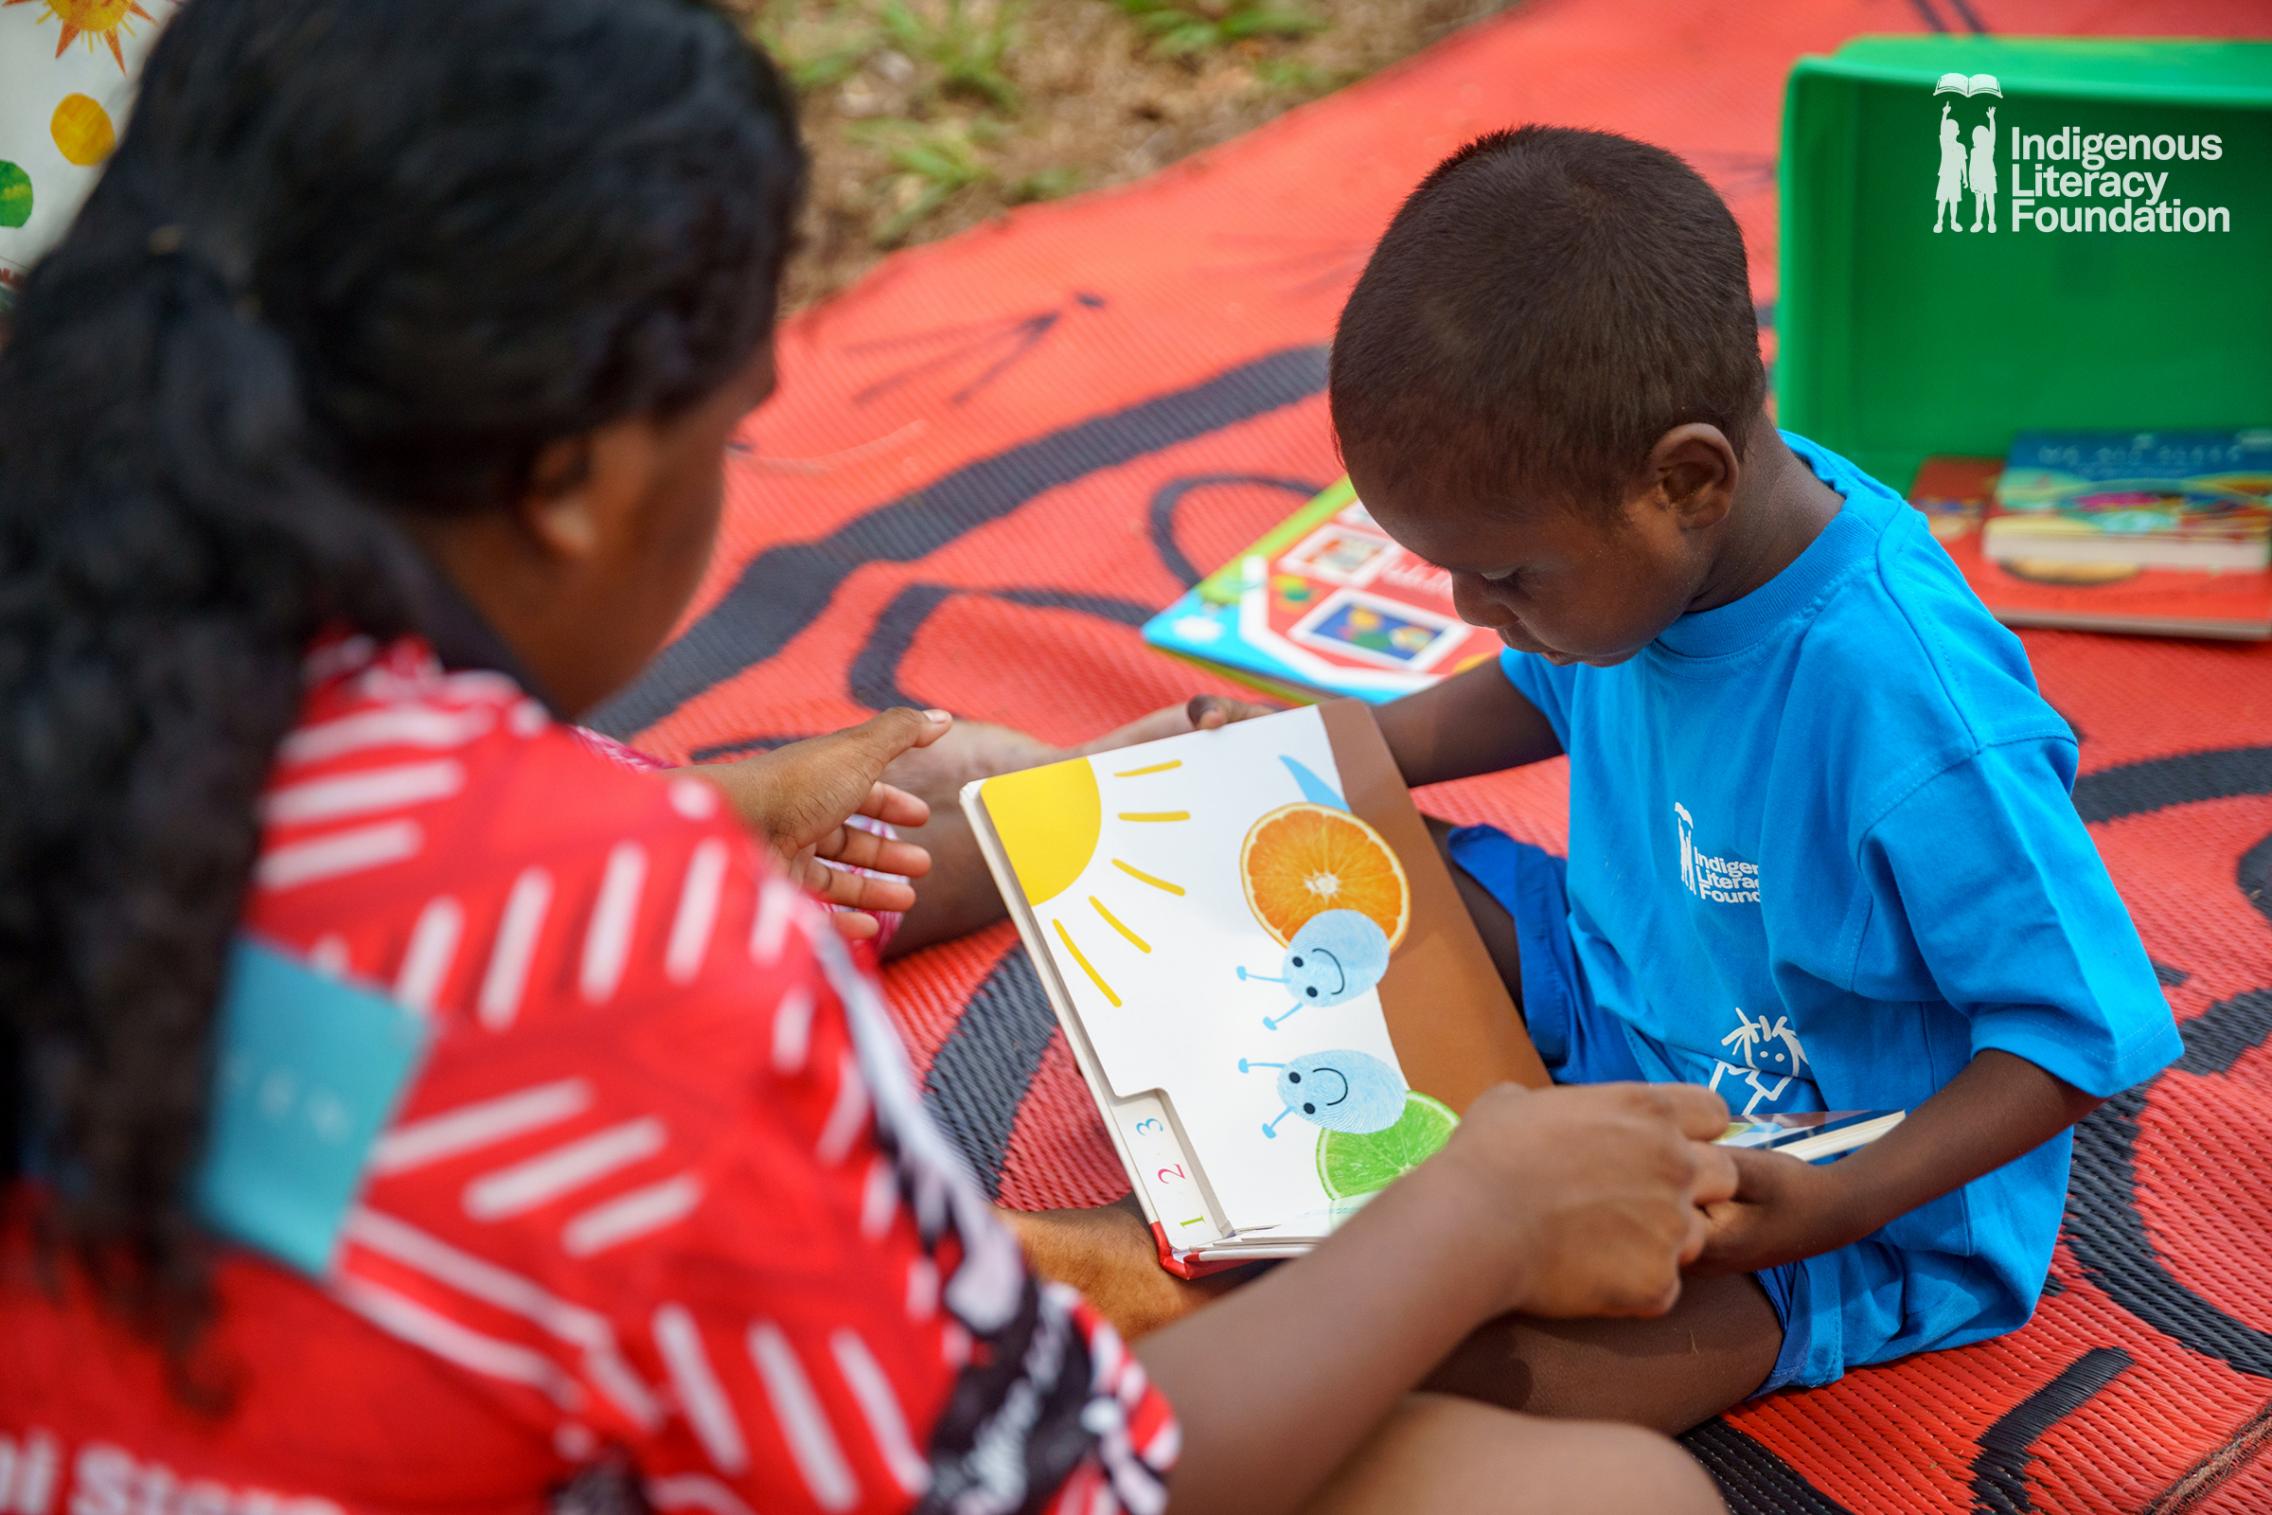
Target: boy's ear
{"points": [[583, 488], [1695, 471]]}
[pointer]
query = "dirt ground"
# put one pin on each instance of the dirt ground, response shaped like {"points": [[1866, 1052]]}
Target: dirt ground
{"points": [[928, 116]]}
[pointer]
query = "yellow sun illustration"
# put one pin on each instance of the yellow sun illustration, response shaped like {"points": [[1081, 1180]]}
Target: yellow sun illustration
{"points": [[1051, 821], [107, 19]]}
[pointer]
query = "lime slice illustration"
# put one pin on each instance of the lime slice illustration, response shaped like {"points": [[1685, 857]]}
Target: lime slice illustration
{"points": [[1350, 1163]]}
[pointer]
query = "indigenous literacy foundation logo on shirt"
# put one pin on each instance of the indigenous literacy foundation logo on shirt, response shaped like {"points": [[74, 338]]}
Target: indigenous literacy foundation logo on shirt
{"points": [[2067, 180], [1765, 1054], [1722, 880]]}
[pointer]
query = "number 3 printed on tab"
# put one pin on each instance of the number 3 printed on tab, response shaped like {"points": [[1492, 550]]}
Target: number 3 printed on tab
{"points": [[1149, 1123]]}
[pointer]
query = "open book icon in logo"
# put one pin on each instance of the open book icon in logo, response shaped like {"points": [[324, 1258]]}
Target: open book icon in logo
{"points": [[1977, 84]]}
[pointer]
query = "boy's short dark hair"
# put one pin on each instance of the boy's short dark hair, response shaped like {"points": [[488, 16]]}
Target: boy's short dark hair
{"points": [[1546, 305]]}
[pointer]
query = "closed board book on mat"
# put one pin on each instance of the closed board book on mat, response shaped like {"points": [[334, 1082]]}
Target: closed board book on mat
{"points": [[1327, 604]]}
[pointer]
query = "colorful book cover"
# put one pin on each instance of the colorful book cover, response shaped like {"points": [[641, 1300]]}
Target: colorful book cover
{"points": [[1263, 968], [1325, 604], [1955, 493], [2172, 499]]}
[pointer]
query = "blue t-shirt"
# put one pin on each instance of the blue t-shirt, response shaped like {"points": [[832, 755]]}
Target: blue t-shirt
{"points": [[1822, 852]]}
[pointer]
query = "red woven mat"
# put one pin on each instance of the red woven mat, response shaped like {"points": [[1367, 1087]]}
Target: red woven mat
{"points": [[995, 457]]}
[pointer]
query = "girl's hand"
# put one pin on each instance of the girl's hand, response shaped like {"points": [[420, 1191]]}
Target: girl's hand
{"points": [[1596, 1193], [798, 799], [1783, 1209]]}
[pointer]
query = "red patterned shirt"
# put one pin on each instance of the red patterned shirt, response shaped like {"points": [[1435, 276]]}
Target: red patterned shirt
{"points": [[661, 1195]]}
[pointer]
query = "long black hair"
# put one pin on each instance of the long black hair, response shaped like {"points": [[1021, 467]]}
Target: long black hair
{"points": [[353, 258]]}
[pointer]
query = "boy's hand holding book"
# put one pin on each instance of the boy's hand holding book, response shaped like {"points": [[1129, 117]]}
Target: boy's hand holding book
{"points": [[1782, 1209], [1998, 1108]]}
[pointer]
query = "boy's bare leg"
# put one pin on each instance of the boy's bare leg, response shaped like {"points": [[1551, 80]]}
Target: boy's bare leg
{"points": [[1492, 923], [1715, 1348], [1453, 1456]]}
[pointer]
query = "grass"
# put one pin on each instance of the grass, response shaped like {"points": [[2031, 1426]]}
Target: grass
{"points": [[1045, 184], [966, 48], [930, 164], [819, 56], [949, 68], [927, 116], [1294, 77], [944, 51], [1180, 28]]}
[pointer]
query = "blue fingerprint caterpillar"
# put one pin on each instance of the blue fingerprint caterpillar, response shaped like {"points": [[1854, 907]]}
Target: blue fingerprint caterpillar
{"points": [[1341, 1090]]}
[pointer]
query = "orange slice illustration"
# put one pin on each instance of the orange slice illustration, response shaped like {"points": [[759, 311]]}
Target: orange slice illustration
{"points": [[1303, 859]]}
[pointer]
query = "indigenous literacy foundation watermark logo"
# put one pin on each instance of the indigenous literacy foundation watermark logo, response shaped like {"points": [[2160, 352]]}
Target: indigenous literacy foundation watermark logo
{"points": [[2068, 180], [1722, 880]]}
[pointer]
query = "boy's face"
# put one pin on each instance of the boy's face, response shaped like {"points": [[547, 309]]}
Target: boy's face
{"points": [[1575, 584]]}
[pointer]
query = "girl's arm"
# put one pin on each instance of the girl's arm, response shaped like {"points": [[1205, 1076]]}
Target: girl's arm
{"points": [[1559, 1203], [839, 1315]]}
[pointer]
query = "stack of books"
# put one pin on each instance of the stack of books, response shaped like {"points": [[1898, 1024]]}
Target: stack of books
{"points": [[2166, 533]]}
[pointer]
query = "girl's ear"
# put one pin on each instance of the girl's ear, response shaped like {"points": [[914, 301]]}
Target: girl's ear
{"points": [[556, 511], [583, 489]]}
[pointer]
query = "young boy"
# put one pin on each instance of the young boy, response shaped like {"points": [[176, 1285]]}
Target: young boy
{"points": [[1822, 851]]}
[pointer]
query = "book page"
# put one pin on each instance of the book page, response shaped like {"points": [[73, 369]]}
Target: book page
{"points": [[1223, 922]]}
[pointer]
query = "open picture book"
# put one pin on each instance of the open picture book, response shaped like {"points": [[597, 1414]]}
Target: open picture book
{"points": [[1262, 965], [1267, 975]]}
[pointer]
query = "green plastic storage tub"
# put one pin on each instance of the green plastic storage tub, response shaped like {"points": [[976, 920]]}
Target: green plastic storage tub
{"points": [[1894, 341]]}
